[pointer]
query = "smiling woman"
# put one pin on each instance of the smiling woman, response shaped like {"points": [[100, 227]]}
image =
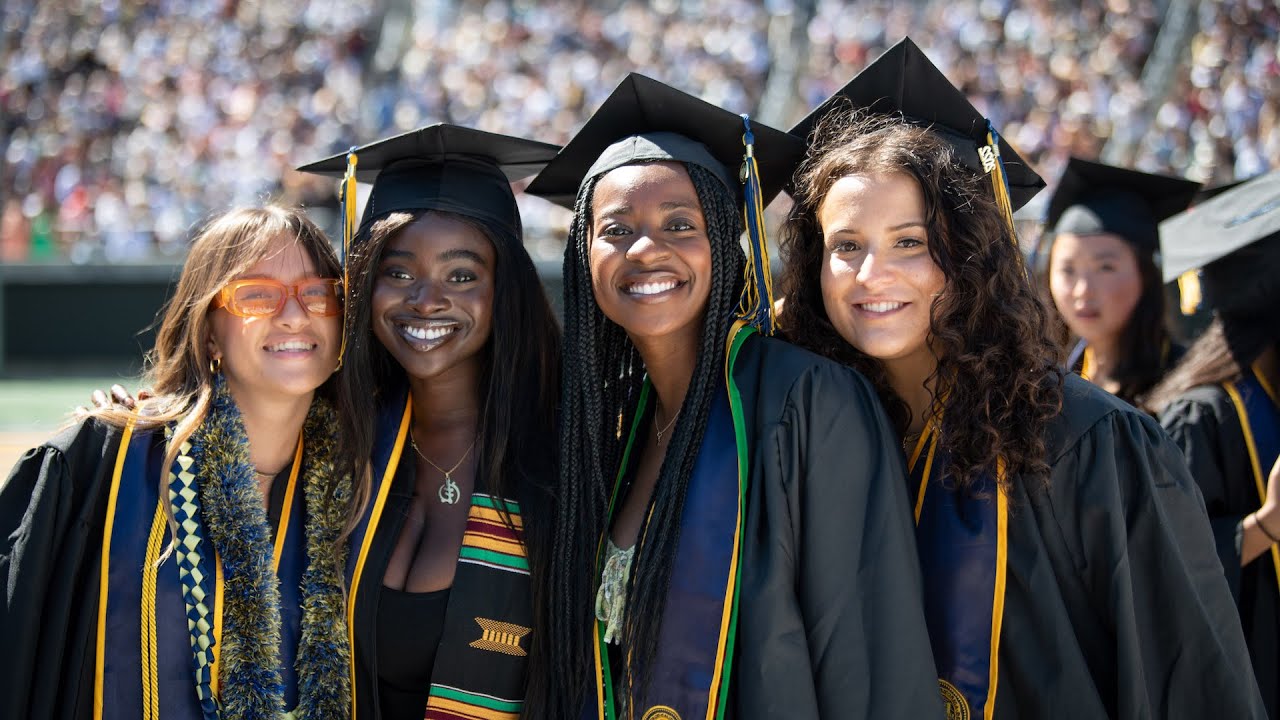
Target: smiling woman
{"points": [[452, 368], [237, 454], [1062, 542], [714, 499]]}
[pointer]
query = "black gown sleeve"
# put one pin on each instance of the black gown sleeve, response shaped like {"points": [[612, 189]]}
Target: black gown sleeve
{"points": [[52, 509], [832, 611], [1205, 431], [1137, 528]]}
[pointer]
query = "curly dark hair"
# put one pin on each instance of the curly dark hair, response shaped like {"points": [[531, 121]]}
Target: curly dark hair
{"points": [[603, 377], [997, 384]]}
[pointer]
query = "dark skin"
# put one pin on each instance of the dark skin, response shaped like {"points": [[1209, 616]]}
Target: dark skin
{"points": [[651, 274], [431, 308]]}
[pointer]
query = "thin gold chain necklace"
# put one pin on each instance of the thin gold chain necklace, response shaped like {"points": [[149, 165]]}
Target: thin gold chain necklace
{"points": [[449, 492]]}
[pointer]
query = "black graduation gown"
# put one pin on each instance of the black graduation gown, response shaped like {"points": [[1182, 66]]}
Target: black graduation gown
{"points": [[1204, 423], [831, 621], [492, 673], [53, 510], [1115, 604]]}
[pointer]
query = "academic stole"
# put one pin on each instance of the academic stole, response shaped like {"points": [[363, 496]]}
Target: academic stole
{"points": [[479, 671], [693, 664], [962, 540], [1258, 408], [144, 658]]}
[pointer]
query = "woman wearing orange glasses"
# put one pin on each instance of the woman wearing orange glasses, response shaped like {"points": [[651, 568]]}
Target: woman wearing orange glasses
{"points": [[184, 559]]}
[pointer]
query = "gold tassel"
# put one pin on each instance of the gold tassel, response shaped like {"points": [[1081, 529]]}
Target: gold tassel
{"points": [[348, 231], [991, 165], [1189, 297]]}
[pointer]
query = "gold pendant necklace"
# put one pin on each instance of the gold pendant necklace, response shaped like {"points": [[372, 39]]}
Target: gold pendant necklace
{"points": [[449, 492]]}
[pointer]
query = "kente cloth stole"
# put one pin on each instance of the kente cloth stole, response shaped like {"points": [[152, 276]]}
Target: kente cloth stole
{"points": [[692, 668], [962, 539], [1258, 408], [146, 664], [479, 671]]}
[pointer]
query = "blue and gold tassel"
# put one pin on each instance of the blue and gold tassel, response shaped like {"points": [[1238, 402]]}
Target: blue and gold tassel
{"points": [[756, 304], [348, 231]]}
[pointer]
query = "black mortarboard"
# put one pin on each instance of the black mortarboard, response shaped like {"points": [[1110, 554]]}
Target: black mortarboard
{"points": [[1092, 198], [646, 120], [1234, 239], [444, 167], [902, 80]]}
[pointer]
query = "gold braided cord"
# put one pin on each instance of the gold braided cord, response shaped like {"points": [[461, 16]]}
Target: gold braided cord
{"points": [[150, 661]]}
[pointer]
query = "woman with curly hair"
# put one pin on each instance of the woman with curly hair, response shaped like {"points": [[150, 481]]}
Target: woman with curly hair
{"points": [[1104, 273], [1068, 565], [1221, 404], [452, 370], [732, 538], [184, 559]]}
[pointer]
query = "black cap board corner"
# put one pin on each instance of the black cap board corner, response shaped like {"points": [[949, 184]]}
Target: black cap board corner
{"points": [[903, 80], [657, 121], [1243, 221]]}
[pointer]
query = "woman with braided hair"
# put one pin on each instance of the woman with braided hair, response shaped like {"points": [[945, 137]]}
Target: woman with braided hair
{"points": [[1068, 565], [184, 560], [729, 542]]}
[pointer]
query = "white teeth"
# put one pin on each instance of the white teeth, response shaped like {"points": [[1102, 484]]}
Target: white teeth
{"points": [[652, 288], [429, 333], [290, 345], [882, 306]]}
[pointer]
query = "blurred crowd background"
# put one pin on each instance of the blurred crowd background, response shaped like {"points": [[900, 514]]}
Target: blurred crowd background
{"points": [[126, 123]]}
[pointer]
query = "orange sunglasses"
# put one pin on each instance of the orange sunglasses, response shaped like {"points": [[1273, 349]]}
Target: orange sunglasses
{"points": [[263, 297]]}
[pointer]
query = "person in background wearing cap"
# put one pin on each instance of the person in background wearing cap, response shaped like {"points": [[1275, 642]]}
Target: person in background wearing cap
{"points": [[1104, 277], [1068, 565], [732, 538], [1220, 404], [452, 372], [114, 610]]}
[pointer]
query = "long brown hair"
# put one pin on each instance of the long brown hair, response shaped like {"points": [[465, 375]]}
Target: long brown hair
{"points": [[1220, 355], [996, 385], [178, 367]]}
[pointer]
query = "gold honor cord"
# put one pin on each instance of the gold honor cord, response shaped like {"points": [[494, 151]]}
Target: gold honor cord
{"points": [[150, 658]]}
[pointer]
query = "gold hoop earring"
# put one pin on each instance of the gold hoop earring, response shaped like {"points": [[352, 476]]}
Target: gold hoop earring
{"points": [[215, 365]]}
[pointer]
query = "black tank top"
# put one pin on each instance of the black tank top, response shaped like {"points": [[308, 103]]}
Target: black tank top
{"points": [[409, 629]]}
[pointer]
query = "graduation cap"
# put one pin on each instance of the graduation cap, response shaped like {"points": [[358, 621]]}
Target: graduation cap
{"points": [[1234, 241], [903, 81], [1092, 198], [442, 167], [644, 120], [438, 167]]}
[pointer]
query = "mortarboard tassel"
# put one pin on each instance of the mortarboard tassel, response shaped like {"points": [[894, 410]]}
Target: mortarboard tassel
{"points": [[348, 230], [993, 165], [756, 304], [1189, 297]]}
